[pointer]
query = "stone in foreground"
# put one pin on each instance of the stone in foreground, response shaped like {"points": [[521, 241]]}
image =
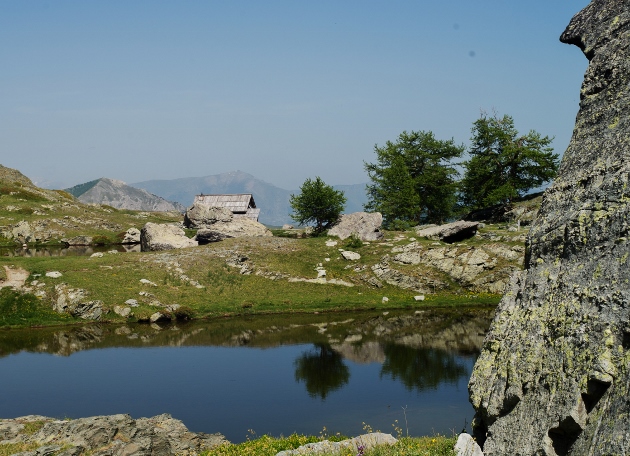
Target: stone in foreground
{"points": [[366, 441], [553, 377], [111, 435], [466, 446]]}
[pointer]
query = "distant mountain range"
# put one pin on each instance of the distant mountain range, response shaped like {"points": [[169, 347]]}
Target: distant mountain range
{"points": [[272, 201], [178, 194], [117, 194]]}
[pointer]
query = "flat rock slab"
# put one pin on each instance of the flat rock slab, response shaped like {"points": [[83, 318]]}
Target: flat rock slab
{"points": [[450, 232], [366, 442]]}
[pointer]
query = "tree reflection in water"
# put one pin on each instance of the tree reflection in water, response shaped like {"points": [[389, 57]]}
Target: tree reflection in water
{"points": [[421, 368], [322, 370]]}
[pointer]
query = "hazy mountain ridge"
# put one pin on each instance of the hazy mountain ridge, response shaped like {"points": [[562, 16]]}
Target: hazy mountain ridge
{"points": [[273, 201], [119, 195]]}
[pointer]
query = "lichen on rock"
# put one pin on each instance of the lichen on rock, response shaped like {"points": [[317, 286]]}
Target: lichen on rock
{"points": [[553, 376]]}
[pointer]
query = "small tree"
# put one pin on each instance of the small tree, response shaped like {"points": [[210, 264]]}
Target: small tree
{"points": [[318, 203], [413, 179], [503, 165]]}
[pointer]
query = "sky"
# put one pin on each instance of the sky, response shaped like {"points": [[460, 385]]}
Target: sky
{"points": [[282, 89]]}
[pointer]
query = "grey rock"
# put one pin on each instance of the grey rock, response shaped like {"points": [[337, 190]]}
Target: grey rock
{"points": [[73, 301], [466, 446], [288, 227], [450, 232], [203, 216], [155, 236], [351, 256], [217, 223], [78, 240], [132, 236], [366, 226], [206, 236], [54, 274], [113, 435], [366, 441], [553, 375], [22, 232]]}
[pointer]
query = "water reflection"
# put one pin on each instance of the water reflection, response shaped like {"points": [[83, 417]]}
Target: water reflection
{"points": [[422, 369], [322, 370], [273, 374]]}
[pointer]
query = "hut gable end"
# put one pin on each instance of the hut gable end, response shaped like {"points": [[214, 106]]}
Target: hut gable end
{"points": [[241, 204]]}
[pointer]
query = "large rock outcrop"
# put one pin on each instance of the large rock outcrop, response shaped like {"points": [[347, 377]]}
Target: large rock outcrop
{"points": [[365, 225], [218, 223], [157, 236], [553, 377], [111, 435]]}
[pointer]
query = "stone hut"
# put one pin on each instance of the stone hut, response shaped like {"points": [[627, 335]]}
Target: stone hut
{"points": [[241, 204]]}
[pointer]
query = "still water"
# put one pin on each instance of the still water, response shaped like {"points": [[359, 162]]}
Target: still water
{"points": [[274, 375]]}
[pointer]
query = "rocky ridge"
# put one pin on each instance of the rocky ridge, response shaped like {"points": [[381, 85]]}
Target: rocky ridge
{"points": [[116, 193], [554, 374], [111, 435]]}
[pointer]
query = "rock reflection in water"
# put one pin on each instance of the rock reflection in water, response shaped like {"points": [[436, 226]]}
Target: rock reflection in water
{"points": [[333, 370]]}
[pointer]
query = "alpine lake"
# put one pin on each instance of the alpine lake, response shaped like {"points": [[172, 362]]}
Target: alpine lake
{"points": [[244, 377]]}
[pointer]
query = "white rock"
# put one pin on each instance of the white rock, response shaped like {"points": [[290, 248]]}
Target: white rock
{"points": [[331, 243], [147, 282], [385, 299], [97, 255], [54, 274], [132, 302], [351, 256], [419, 298], [122, 311], [466, 446]]}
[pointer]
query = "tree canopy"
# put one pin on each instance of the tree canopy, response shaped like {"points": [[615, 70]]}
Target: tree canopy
{"points": [[317, 203], [504, 165], [413, 180]]}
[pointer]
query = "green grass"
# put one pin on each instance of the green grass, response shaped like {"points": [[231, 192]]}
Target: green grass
{"points": [[407, 446], [7, 449], [18, 310]]}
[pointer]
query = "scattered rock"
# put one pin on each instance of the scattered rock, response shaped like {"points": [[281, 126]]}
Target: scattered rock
{"points": [[288, 227], [97, 255], [73, 301], [132, 302], [54, 274], [366, 226], [154, 236], [147, 282], [122, 311], [350, 256]]}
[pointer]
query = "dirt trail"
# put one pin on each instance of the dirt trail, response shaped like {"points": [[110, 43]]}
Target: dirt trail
{"points": [[16, 277]]}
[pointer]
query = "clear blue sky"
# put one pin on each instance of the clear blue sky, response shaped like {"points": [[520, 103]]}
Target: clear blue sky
{"points": [[282, 89]]}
